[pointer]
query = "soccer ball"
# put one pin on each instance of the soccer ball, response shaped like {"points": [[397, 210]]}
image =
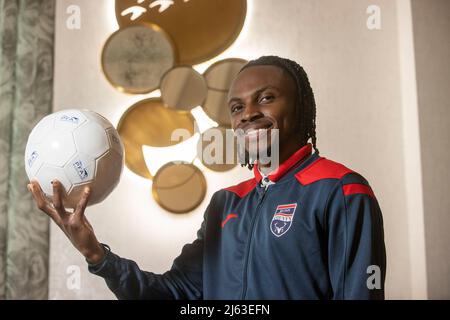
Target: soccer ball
{"points": [[79, 148]]}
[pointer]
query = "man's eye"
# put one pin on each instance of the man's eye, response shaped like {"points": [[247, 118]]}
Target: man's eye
{"points": [[267, 98], [236, 108]]}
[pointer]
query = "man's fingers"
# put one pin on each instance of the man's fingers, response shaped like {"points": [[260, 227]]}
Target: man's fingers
{"points": [[57, 198], [44, 205], [81, 205], [41, 202]]}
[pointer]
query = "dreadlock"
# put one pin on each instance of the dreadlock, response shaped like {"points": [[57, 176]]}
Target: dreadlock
{"points": [[306, 105]]}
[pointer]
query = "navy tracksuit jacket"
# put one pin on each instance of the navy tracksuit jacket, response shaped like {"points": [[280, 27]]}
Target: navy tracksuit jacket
{"points": [[316, 233]]}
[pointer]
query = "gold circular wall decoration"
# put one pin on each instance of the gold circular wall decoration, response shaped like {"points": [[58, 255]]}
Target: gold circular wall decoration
{"points": [[208, 146], [183, 88], [135, 58], [216, 107], [179, 187], [200, 29], [219, 77], [149, 122], [220, 74]]}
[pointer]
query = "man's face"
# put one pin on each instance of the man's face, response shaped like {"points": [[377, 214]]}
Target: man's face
{"points": [[264, 97]]}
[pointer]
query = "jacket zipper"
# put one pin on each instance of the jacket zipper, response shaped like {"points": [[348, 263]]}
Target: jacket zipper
{"points": [[244, 280]]}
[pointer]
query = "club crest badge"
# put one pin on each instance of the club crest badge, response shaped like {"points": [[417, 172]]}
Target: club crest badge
{"points": [[282, 219]]}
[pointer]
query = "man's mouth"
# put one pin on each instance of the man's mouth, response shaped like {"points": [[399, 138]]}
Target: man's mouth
{"points": [[256, 129]]}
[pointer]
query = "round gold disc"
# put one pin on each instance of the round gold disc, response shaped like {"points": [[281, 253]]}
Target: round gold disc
{"points": [[219, 77], [179, 187], [216, 107], [183, 88], [149, 122], [135, 58], [200, 29], [220, 74]]}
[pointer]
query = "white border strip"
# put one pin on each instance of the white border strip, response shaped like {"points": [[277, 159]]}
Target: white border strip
{"points": [[412, 151]]}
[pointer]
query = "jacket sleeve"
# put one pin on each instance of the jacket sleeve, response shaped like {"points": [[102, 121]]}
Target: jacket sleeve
{"points": [[183, 281], [356, 250]]}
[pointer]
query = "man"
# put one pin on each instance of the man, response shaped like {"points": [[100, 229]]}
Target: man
{"points": [[311, 229]]}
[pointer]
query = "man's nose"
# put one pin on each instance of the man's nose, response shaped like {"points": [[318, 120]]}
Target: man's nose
{"points": [[251, 113]]}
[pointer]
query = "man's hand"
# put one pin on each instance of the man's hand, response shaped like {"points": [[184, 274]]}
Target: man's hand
{"points": [[75, 225]]}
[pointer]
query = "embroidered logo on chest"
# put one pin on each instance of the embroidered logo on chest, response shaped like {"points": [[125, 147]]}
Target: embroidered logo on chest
{"points": [[282, 219]]}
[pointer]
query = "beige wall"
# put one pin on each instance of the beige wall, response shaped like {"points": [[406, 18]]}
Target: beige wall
{"points": [[431, 22], [356, 77]]}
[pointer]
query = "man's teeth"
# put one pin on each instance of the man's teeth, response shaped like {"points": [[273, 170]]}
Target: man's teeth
{"points": [[252, 131]]}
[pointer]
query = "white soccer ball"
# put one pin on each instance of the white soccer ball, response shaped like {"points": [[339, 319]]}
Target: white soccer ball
{"points": [[79, 148]]}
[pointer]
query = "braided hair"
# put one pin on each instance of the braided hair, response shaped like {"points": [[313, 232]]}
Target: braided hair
{"points": [[306, 104]]}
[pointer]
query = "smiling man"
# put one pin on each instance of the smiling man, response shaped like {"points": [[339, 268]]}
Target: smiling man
{"points": [[310, 228]]}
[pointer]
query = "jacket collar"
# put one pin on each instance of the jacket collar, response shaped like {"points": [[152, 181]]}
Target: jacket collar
{"points": [[287, 165]]}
